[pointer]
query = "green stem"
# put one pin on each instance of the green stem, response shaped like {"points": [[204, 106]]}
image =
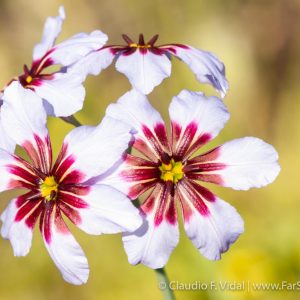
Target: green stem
{"points": [[71, 120], [164, 284]]}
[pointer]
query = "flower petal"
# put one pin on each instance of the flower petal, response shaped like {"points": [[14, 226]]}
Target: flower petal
{"points": [[93, 63], [102, 210], [212, 225], [205, 65], [240, 164], [18, 225], [22, 114], [93, 150], [195, 119], [62, 246], [154, 241], [144, 70], [76, 47], [133, 176], [24, 120], [64, 94], [134, 109], [6, 142], [52, 28]]}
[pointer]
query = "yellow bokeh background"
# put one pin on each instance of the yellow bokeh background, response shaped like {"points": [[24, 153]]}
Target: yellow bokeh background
{"points": [[258, 40]]}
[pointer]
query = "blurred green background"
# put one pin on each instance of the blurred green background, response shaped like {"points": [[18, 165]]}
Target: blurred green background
{"points": [[259, 43]]}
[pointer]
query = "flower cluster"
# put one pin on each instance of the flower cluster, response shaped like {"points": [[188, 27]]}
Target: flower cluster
{"points": [[100, 169]]}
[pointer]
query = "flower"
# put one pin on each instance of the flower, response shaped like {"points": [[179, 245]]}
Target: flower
{"points": [[62, 188], [171, 170], [146, 64], [63, 92]]}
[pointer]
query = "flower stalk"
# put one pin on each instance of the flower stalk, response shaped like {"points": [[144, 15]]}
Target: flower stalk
{"points": [[164, 284]]}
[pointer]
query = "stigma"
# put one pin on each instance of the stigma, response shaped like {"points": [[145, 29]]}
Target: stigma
{"points": [[173, 171], [49, 188]]}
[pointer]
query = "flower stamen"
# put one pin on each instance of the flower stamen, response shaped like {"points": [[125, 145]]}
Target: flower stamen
{"points": [[135, 45], [172, 171], [49, 188]]}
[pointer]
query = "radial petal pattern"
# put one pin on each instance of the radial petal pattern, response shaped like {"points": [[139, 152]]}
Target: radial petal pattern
{"points": [[169, 171]]}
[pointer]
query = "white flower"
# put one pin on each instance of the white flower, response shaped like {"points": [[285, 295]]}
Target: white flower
{"points": [[146, 64], [62, 188], [170, 173], [62, 92]]}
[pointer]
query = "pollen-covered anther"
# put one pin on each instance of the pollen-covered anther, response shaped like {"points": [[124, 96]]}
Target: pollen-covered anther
{"points": [[172, 171], [28, 79], [49, 188], [134, 45]]}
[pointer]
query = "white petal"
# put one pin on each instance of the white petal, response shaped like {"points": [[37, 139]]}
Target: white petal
{"points": [[93, 63], [73, 49], [144, 71], [134, 109], [52, 28], [96, 149], [64, 94], [151, 245], [205, 65], [22, 114], [108, 211], [19, 234], [194, 111], [65, 251], [6, 142], [249, 162], [212, 234]]}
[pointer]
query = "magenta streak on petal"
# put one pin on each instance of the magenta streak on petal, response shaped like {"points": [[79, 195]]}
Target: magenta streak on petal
{"points": [[211, 178], [23, 199], [203, 167], [140, 174], [158, 51], [42, 63], [26, 209], [139, 188], [39, 81], [204, 192], [71, 200], [193, 197], [26, 179], [40, 153], [63, 168], [152, 139], [30, 221], [209, 156], [76, 189], [171, 48], [59, 223], [60, 158], [46, 220], [144, 149], [149, 203], [185, 141], [128, 51], [187, 211], [71, 213], [175, 134], [136, 161], [73, 177], [201, 140], [162, 137], [143, 51], [165, 209]]}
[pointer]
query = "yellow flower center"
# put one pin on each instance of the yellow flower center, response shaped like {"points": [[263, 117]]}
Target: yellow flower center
{"points": [[172, 171], [28, 79], [134, 45], [49, 188]]}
